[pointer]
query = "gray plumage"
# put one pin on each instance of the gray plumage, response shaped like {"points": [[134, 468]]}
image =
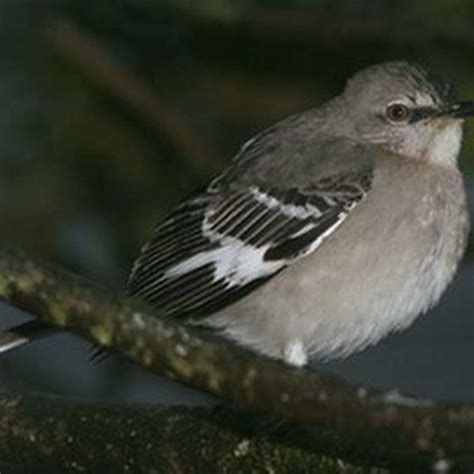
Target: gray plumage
{"points": [[387, 263], [357, 224], [330, 230]]}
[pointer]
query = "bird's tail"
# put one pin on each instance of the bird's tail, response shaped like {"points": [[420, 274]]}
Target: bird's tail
{"points": [[24, 333]]}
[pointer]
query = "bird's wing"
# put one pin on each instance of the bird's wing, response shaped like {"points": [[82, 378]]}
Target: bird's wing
{"points": [[219, 246]]}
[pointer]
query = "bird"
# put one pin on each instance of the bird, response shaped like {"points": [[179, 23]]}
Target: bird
{"points": [[328, 231]]}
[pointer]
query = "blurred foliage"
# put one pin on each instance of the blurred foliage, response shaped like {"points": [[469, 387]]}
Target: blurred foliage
{"points": [[87, 168]]}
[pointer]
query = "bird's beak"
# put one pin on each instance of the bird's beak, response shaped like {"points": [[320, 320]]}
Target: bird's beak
{"points": [[460, 110]]}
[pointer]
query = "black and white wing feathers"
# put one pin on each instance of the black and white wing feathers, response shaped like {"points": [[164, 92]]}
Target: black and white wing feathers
{"points": [[219, 246]]}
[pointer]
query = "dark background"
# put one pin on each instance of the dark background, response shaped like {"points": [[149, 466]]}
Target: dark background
{"points": [[111, 112]]}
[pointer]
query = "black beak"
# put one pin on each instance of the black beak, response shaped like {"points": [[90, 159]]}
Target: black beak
{"points": [[460, 110]]}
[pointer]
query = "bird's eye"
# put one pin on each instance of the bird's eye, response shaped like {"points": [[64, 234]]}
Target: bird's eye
{"points": [[398, 112]]}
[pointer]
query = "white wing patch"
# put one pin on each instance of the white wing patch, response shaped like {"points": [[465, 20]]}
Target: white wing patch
{"points": [[239, 263], [218, 247], [234, 261]]}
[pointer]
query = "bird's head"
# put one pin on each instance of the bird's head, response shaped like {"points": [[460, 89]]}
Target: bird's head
{"points": [[406, 110]]}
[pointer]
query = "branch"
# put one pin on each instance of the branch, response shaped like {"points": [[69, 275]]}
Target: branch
{"points": [[49, 432], [355, 422], [130, 90]]}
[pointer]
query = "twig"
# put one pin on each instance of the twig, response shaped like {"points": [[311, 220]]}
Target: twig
{"points": [[109, 74]]}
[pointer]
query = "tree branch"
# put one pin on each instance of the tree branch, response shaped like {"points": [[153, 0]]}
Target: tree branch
{"points": [[49, 432], [353, 422], [130, 90]]}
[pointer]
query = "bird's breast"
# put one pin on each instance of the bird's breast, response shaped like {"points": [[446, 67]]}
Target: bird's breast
{"points": [[389, 261]]}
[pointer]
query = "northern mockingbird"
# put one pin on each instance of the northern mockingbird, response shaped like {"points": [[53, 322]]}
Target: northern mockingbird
{"points": [[330, 230]]}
